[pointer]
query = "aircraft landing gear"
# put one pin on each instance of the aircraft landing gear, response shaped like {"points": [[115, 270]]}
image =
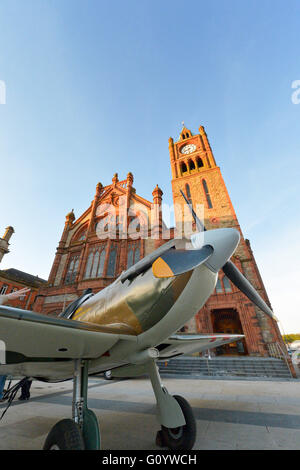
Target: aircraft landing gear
{"points": [[82, 432], [65, 435], [183, 437], [178, 425]]}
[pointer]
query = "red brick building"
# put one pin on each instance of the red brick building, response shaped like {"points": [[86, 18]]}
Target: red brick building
{"points": [[4, 242], [12, 280], [85, 259]]}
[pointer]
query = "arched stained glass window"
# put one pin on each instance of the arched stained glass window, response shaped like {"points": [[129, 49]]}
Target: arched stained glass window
{"points": [[89, 264], [112, 261], [134, 253], [208, 199], [72, 269], [101, 263], [95, 262]]}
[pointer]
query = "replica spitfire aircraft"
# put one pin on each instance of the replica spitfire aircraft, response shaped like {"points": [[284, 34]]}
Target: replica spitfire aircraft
{"points": [[127, 327]]}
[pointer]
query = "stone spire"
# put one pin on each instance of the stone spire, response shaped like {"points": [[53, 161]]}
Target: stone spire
{"points": [[156, 222]]}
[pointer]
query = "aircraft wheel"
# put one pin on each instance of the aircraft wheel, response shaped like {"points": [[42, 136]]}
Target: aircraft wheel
{"points": [[183, 437], [108, 375], [65, 435]]}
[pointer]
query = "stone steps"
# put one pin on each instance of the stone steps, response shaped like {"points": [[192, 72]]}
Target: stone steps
{"points": [[242, 367]]}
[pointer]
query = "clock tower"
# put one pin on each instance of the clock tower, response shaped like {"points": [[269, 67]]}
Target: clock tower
{"points": [[195, 172]]}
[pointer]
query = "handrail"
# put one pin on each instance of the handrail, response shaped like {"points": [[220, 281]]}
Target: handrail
{"points": [[279, 353]]}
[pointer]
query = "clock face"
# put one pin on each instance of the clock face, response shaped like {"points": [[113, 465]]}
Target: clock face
{"points": [[189, 148]]}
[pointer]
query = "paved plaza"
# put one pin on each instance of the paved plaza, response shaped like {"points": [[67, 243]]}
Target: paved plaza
{"points": [[230, 414]]}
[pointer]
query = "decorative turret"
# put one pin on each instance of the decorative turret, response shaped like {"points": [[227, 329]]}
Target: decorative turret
{"points": [[129, 179], [129, 188], [99, 189], [8, 233], [157, 195], [4, 241], [207, 146], [185, 133], [156, 222], [115, 179], [70, 217]]}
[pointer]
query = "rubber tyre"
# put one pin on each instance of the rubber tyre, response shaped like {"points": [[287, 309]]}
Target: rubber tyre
{"points": [[65, 435], [182, 438], [108, 375]]}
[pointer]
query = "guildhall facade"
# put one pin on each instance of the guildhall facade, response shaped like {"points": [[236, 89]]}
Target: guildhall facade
{"points": [[93, 252]]}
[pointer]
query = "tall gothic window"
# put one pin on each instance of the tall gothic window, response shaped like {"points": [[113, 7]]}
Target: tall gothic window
{"points": [[199, 162], [188, 193], [112, 260], [183, 167], [208, 199], [133, 254], [219, 288], [227, 285], [191, 165], [95, 261], [72, 269]]}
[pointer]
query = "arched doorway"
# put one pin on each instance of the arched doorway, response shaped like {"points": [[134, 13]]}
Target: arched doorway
{"points": [[228, 321]]}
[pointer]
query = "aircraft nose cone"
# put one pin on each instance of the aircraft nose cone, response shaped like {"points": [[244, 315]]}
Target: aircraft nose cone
{"points": [[224, 242]]}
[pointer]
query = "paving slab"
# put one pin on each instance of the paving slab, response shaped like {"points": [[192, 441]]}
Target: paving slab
{"points": [[230, 415]]}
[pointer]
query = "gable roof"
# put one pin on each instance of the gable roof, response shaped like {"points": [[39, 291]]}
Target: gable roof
{"points": [[119, 189], [20, 276]]}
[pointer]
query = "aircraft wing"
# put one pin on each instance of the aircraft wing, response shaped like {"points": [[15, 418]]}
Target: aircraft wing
{"points": [[37, 345], [186, 344], [178, 345]]}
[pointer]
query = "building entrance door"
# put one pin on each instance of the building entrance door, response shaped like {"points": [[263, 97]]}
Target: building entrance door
{"points": [[228, 321]]}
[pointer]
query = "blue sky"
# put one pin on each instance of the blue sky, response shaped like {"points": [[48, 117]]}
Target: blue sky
{"points": [[97, 87]]}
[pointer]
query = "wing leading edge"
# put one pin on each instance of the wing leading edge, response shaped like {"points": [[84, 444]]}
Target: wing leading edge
{"points": [[33, 339], [187, 344]]}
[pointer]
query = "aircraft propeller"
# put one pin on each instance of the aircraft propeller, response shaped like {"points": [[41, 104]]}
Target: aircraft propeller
{"points": [[237, 278], [174, 262]]}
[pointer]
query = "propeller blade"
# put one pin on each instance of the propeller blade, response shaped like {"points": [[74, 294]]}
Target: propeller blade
{"points": [[199, 224], [233, 273], [175, 262], [237, 278]]}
